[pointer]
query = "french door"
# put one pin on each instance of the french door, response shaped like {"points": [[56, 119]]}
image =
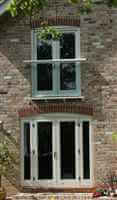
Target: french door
{"points": [[53, 151]]}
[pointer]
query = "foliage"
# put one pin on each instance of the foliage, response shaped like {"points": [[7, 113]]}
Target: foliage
{"points": [[114, 136], [1, 1], [4, 157], [86, 6], [29, 7], [108, 185], [32, 7], [48, 33], [26, 7], [112, 3]]}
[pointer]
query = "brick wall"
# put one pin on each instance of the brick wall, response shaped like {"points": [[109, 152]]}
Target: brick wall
{"points": [[98, 82]]}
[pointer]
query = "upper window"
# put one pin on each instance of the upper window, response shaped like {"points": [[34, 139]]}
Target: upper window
{"points": [[56, 72]]}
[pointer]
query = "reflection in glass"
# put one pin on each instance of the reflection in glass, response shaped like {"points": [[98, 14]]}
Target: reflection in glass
{"points": [[44, 77], [86, 165], [27, 156], [67, 77], [67, 44], [67, 150], [45, 150], [44, 50]]}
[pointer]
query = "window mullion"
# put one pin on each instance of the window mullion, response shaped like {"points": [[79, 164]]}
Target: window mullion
{"points": [[58, 66], [78, 78], [77, 44], [34, 65], [55, 66]]}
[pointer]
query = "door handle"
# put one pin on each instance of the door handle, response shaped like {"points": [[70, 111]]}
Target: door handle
{"points": [[55, 155], [33, 151]]}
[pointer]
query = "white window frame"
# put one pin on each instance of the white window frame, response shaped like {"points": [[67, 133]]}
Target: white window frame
{"points": [[56, 181], [56, 61]]}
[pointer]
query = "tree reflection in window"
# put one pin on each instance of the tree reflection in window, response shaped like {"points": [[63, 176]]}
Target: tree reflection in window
{"points": [[67, 76], [67, 46], [44, 50], [44, 77]]}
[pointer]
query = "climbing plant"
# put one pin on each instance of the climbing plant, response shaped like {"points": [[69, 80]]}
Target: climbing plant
{"points": [[30, 8], [4, 158]]}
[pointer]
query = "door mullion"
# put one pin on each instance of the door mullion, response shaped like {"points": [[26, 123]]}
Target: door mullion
{"points": [[33, 152], [54, 144], [36, 152], [58, 151], [81, 152], [77, 149], [22, 152]]}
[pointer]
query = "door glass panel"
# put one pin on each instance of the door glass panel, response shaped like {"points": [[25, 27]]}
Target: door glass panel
{"points": [[44, 50], [67, 76], [27, 155], [67, 150], [86, 164], [45, 150], [44, 77], [67, 45]]}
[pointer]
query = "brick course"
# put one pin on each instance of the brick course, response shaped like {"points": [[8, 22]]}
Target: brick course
{"points": [[57, 21], [36, 109]]}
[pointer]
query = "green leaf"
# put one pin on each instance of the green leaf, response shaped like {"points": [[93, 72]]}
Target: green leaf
{"points": [[114, 136], [114, 3]]}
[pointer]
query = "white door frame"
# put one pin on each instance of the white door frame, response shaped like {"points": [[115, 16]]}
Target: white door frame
{"points": [[56, 181]]}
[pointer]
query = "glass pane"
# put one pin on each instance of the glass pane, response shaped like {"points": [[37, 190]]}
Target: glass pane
{"points": [[67, 150], [27, 156], [44, 50], [86, 165], [45, 150], [67, 76], [67, 45], [44, 77]]}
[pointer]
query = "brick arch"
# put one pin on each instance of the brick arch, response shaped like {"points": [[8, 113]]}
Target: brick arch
{"points": [[57, 21], [36, 109]]}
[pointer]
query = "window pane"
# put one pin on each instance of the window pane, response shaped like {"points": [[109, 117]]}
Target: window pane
{"points": [[44, 77], [67, 76], [67, 45], [67, 150], [44, 50], [27, 156], [86, 165], [45, 150]]}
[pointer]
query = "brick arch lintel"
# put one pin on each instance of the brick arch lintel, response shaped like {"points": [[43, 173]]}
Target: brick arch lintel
{"points": [[37, 109], [57, 21]]}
